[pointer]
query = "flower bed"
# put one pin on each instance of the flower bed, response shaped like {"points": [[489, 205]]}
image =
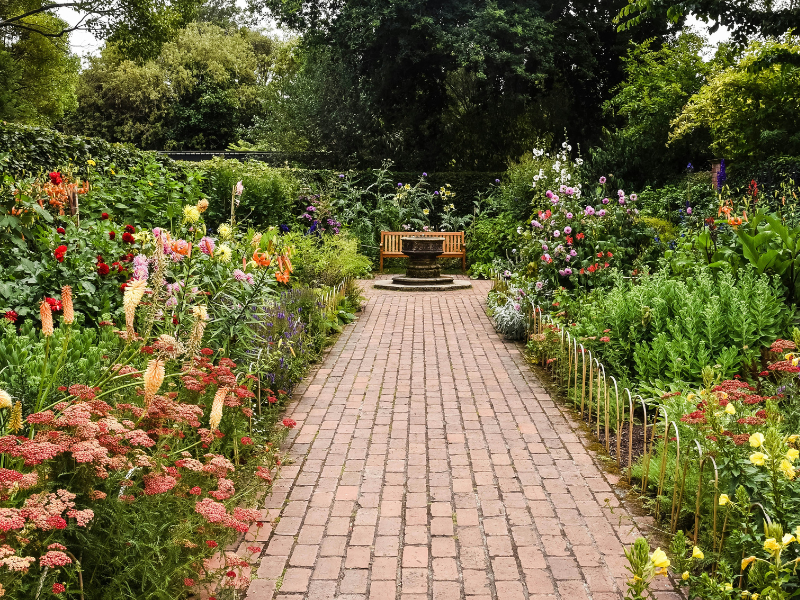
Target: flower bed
{"points": [[140, 404]]}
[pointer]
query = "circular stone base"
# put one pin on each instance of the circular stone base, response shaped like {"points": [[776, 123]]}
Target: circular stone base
{"points": [[423, 285], [443, 280]]}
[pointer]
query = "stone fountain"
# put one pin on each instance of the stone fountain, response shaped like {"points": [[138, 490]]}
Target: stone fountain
{"points": [[423, 273]]}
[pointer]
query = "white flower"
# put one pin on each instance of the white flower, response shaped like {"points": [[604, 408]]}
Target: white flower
{"points": [[579, 161], [563, 144]]}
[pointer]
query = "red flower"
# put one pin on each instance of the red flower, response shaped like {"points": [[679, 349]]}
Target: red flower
{"points": [[11, 316], [206, 352], [62, 388], [246, 441], [211, 543], [231, 574], [609, 255], [569, 239], [580, 236], [599, 255], [59, 588], [764, 374], [55, 305], [103, 269], [290, 423], [146, 350], [61, 230], [127, 237], [605, 338], [55, 178], [112, 235], [60, 252], [195, 491], [606, 265], [188, 581], [104, 216], [130, 228]]}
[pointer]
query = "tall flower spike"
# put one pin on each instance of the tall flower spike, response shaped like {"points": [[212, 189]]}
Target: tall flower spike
{"points": [[133, 295], [15, 421], [216, 408], [66, 302], [153, 378], [200, 313], [47, 318]]}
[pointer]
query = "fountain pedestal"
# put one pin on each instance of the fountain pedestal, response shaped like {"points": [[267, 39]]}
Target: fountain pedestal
{"points": [[423, 272]]}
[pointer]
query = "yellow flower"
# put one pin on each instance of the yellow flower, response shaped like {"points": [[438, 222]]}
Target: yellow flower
{"points": [[746, 562], [425, 211], [730, 409], [754, 597], [727, 587], [793, 454], [795, 361], [697, 553], [685, 575], [723, 499], [224, 231], [223, 253], [789, 356], [756, 440], [91, 162], [659, 559], [5, 400], [788, 538], [113, 172], [191, 214], [787, 469], [792, 438], [15, 420], [690, 396], [772, 546], [757, 458]]}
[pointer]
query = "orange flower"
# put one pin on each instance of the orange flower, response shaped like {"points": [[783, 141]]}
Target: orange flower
{"points": [[282, 276], [262, 259], [284, 264], [182, 247]]}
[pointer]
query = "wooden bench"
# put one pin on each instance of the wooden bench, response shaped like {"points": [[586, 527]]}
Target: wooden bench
{"points": [[454, 247]]}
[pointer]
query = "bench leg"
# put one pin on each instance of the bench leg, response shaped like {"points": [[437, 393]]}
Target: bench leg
{"points": [[381, 263], [464, 263]]}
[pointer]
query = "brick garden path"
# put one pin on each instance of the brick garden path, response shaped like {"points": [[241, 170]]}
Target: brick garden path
{"points": [[430, 464]]}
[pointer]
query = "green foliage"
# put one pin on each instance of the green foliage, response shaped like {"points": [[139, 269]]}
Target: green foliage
{"points": [[665, 330], [325, 261], [37, 74], [269, 196], [669, 201], [36, 150], [658, 83], [750, 112], [196, 94], [491, 238]]}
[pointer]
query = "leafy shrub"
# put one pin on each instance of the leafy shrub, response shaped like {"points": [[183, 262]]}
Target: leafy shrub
{"points": [[492, 237]]}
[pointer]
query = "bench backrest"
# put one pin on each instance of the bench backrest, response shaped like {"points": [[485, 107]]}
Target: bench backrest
{"points": [[391, 241]]}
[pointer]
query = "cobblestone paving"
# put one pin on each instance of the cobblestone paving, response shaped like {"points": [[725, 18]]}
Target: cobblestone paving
{"points": [[430, 464]]}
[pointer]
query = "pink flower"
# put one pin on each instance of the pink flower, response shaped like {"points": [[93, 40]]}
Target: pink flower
{"points": [[207, 246], [54, 559]]}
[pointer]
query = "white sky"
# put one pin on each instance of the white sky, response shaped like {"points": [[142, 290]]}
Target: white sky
{"points": [[84, 43]]}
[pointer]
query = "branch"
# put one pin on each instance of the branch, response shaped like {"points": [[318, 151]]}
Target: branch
{"points": [[10, 21]]}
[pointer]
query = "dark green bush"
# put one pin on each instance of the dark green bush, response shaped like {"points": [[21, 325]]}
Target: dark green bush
{"points": [[491, 238]]}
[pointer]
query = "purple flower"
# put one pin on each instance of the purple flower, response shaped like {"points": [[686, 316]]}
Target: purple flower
{"points": [[544, 247], [436, 193], [399, 185], [567, 258], [497, 181], [689, 210], [633, 197], [567, 229], [573, 253], [341, 176], [549, 194], [569, 191], [536, 224], [561, 272], [620, 193], [588, 211], [602, 212], [567, 271], [539, 285], [605, 200], [569, 215], [310, 208], [239, 275], [556, 233], [622, 200], [424, 174], [602, 180], [547, 256], [562, 188]]}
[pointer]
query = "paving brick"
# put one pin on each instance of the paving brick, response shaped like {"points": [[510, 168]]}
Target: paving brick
{"points": [[421, 413]]}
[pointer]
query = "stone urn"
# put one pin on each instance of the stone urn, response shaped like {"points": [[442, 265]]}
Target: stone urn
{"points": [[422, 253]]}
